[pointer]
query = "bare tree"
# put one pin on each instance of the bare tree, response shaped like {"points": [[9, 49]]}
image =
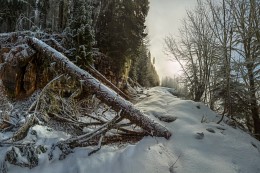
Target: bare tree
{"points": [[221, 23], [194, 51], [219, 53], [246, 15]]}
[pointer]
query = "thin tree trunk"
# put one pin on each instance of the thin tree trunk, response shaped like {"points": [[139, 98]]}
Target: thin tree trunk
{"points": [[253, 103], [102, 92]]}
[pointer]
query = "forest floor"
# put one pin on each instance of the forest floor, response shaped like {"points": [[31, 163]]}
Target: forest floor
{"points": [[197, 145]]}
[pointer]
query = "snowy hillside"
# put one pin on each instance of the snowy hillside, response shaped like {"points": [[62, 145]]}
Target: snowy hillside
{"points": [[197, 145]]}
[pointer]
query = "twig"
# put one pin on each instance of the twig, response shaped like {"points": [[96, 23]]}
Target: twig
{"points": [[101, 130], [63, 119], [35, 104], [98, 147], [176, 160], [22, 131], [117, 126], [7, 144], [95, 118], [221, 119], [9, 122], [172, 166]]}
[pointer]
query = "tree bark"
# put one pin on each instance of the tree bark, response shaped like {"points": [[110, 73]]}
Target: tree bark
{"points": [[101, 91]]}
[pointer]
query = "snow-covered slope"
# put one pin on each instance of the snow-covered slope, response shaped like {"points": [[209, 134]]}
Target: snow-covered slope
{"points": [[198, 145]]}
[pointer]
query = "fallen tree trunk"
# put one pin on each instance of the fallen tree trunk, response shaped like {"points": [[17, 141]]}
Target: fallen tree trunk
{"points": [[101, 91], [103, 79], [134, 83]]}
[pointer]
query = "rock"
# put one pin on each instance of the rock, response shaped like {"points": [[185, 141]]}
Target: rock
{"points": [[211, 130], [167, 119], [232, 123], [254, 145], [163, 116], [220, 128], [199, 135], [173, 92]]}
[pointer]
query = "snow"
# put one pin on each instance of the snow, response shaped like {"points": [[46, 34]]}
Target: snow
{"points": [[228, 150]]}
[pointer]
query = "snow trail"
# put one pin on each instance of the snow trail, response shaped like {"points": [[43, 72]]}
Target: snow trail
{"points": [[220, 149]]}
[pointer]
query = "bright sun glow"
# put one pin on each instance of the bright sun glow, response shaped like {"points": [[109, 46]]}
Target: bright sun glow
{"points": [[164, 19]]}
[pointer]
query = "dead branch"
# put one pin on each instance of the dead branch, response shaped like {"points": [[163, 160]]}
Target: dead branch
{"points": [[86, 137], [134, 83], [22, 132], [98, 147], [116, 139], [63, 119]]}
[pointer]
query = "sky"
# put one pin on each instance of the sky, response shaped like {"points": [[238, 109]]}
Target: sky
{"points": [[164, 18]]}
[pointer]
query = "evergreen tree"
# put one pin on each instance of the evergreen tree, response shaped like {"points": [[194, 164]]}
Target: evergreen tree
{"points": [[81, 29], [120, 30], [10, 12], [142, 69], [44, 7]]}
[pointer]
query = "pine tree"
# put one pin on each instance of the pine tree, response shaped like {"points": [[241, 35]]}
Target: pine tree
{"points": [[120, 30], [142, 70], [10, 11], [81, 29]]}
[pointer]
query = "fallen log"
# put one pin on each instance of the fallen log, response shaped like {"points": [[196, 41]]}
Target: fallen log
{"points": [[101, 91], [103, 79], [134, 82]]}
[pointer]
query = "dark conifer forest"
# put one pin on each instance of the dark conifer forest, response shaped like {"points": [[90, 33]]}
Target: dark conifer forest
{"points": [[108, 34]]}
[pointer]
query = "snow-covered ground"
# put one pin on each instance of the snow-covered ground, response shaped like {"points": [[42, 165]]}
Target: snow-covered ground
{"points": [[197, 145]]}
